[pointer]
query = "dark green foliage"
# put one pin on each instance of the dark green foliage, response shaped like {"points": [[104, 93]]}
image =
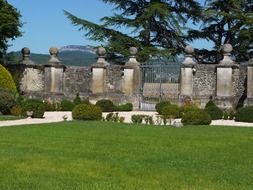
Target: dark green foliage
{"points": [[114, 117], [159, 106], [7, 100], [170, 111], [67, 105], [244, 114], [196, 117], [213, 110], [52, 106], [137, 118], [77, 99], [9, 25], [87, 112], [155, 27], [186, 108], [223, 22], [37, 106], [124, 107], [106, 105]]}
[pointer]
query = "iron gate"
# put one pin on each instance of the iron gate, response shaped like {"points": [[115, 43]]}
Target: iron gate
{"points": [[159, 81]]}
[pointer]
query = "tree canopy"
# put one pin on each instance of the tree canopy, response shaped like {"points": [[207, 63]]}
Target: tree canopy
{"points": [[9, 25], [226, 21], [156, 27]]}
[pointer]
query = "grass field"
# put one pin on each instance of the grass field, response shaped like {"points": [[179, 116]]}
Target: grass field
{"points": [[95, 155]]}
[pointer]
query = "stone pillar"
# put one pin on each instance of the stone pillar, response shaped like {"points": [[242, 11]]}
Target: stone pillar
{"points": [[224, 79], [30, 75], [131, 79], [54, 73], [98, 72], [131, 76], [249, 100], [187, 73]]}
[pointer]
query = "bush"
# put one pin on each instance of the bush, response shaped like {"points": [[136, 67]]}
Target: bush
{"points": [[213, 110], [7, 100], [244, 114], [6, 80], [77, 100], [87, 112], [137, 118], [196, 117], [170, 111], [37, 106], [67, 105], [16, 110], [159, 106], [105, 105], [124, 107], [186, 108]]}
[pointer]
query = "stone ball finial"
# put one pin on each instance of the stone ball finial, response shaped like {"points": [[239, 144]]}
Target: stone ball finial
{"points": [[226, 49], [53, 51], [25, 51], [101, 51], [133, 51], [189, 50]]}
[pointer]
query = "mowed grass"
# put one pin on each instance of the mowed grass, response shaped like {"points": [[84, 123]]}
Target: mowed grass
{"points": [[100, 155]]}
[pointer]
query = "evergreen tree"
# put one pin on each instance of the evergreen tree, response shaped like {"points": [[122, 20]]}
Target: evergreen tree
{"points": [[226, 21], [9, 25], [156, 27]]}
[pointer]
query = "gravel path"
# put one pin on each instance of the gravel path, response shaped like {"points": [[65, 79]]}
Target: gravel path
{"points": [[50, 117]]}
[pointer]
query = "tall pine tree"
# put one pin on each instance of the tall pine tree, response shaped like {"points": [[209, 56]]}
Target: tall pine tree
{"points": [[156, 27], [226, 21]]}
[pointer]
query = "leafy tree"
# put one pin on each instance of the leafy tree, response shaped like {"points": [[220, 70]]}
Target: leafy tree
{"points": [[156, 27], [9, 25], [226, 21]]}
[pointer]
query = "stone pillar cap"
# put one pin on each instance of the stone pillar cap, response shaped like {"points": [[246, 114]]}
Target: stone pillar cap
{"points": [[26, 56], [132, 58], [54, 60], [101, 62], [189, 51], [226, 52]]}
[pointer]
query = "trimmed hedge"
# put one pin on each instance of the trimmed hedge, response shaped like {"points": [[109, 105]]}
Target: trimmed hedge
{"points": [[244, 114], [37, 106], [6, 80], [124, 107], [87, 112], [170, 111], [196, 117], [213, 110], [106, 105], [67, 105], [7, 100], [159, 106]]}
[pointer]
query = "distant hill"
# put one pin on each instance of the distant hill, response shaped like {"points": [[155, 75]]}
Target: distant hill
{"points": [[74, 55]]}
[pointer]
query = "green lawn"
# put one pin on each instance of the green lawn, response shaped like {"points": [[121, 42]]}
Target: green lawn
{"points": [[96, 155]]}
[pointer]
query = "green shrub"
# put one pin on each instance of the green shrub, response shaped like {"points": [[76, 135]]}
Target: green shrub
{"points": [[225, 115], [7, 100], [170, 111], [77, 100], [16, 110], [186, 108], [159, 106], [213, 110], [137, 118], [124, 107], [67, 105], [196, 117], [105, 105], [37, 106], [87, 112], [244, 114], [6, 80]]}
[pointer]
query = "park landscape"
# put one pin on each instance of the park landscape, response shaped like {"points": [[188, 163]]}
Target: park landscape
{"points": [[150, 112]]}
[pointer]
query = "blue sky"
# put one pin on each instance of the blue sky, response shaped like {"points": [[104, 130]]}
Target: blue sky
{"points": [[45, 25]]}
